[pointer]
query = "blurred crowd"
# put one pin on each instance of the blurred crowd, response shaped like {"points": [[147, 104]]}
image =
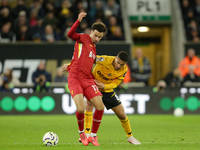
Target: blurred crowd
{"points": [[191, 17], [50, 20], [41, 79], [140, 69], [187, 71]]}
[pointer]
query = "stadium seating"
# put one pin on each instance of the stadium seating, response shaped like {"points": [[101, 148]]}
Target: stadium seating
{"points": [[27, 20]]}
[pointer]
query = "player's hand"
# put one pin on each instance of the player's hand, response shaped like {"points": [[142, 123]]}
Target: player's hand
{"points": [[81, 15], [64, 68], [99, 84]]}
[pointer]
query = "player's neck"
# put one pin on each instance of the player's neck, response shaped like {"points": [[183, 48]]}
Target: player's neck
{"points": [[113, 64], [91, 39]]}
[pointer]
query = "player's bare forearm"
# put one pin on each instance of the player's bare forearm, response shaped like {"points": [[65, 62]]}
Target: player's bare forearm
{"points": [[113, 85], [99, 84]]}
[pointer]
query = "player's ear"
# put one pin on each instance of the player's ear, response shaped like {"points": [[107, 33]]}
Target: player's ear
{"points": [[115, 59]]}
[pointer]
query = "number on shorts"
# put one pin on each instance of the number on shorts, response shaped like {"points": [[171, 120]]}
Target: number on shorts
{"points": [[95, 88]]}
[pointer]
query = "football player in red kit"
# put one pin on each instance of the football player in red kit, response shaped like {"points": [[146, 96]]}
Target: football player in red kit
{"points": [[81, 81]]}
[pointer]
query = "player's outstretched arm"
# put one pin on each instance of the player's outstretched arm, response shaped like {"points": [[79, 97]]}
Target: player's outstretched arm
{"points": [[72, 32]]}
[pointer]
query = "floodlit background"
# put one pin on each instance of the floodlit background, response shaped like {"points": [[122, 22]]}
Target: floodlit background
{"points": [[162, 39]]}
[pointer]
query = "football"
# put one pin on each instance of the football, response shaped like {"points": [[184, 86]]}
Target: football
{"points": [[50, 139], [178, 112]]}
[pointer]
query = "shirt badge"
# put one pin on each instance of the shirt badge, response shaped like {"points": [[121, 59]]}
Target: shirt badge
{"points": [[101, 59], [109, 74]]}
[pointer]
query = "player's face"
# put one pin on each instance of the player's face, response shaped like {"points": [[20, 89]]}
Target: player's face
{"points": [[96, 36], [118, 63]]}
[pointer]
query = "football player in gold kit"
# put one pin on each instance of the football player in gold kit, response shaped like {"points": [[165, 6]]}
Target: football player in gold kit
{"points": [[109, 72]]}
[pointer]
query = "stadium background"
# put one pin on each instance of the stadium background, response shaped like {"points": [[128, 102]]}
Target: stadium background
{"points": [[164, 44]]}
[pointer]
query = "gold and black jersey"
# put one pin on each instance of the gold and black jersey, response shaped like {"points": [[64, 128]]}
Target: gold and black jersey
{"points": [[105, 72]]}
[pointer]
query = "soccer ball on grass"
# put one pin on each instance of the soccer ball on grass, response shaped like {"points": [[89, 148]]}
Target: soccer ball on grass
{"points": [[178, 112], [50, 139]]}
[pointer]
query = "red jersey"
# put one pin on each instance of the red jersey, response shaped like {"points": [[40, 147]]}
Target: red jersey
{"points": [[84, 54]]}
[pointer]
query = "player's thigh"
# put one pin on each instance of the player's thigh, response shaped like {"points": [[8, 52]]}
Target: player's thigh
{"points": [[79, 101], [119, 111], [90, 89], [92, 93], [97, 102], [75, 87], [110, 100]]}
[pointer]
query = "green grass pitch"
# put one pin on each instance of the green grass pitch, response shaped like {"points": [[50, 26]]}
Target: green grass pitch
{"points": [[155, 132]]}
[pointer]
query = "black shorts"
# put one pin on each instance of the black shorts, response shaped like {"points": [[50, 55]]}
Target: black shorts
{"points": [[110, 100]]}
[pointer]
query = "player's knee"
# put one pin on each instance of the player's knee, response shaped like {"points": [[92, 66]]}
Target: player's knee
{"points": [[81, 110], [100, 107], [122, 116], [89, 108], [89, 104]]}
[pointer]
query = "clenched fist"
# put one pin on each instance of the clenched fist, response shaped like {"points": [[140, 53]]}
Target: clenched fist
{"points": [[81, 15]]}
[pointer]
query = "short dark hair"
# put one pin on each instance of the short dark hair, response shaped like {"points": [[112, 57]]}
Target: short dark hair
{"points": [[99, 26], [123, 56]]}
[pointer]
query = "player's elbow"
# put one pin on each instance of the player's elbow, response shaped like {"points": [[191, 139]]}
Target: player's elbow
{"points": [[69, 34]]}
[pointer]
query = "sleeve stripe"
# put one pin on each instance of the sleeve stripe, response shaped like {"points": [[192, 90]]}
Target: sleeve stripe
{"points": [[79, 49]]}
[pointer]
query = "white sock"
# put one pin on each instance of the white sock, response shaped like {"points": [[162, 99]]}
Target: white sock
{"points": [[93, 134], [87, 135], [80, 131]]}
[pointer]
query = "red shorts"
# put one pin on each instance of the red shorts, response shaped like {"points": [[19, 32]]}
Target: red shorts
{"points": [[87, 87]]}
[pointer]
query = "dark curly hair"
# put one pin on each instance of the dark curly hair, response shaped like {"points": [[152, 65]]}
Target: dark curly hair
{"points": [[99, 26], [123, 56]]}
